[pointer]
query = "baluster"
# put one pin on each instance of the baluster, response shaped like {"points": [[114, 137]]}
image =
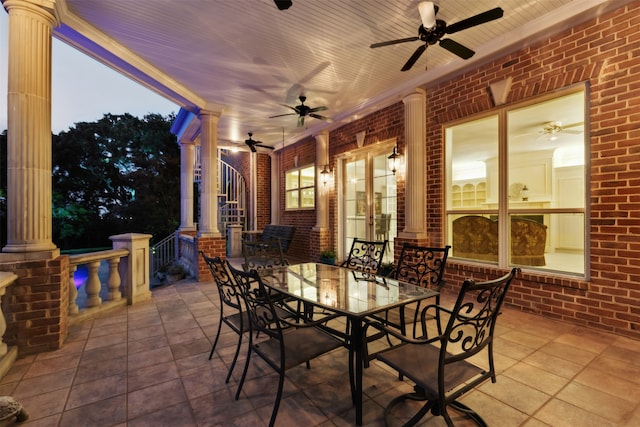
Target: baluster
{"points": [[73, 291], [113, 283], [3, 325], [93, 285]]}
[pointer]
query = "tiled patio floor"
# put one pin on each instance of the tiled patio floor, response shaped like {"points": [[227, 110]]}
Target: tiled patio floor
{"points": [[147, 365]]}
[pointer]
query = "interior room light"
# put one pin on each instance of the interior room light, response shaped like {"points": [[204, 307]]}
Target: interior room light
{"points": [[324, 175], [394, 160], [427, 14]]}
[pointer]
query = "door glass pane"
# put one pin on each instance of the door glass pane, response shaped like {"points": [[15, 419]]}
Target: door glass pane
{"points": [[355, 201], [384, 204]]}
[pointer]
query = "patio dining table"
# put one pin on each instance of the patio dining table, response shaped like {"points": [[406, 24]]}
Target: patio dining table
{"points": [[353, 294]]}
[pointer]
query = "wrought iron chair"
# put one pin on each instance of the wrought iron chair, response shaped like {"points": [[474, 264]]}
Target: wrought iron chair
{"points": [[419, 265], [440, 366], [237, 320], [365, 256], [263, 255], [286, 343]]}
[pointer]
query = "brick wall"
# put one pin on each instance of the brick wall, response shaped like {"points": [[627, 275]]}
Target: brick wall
{"points": [[36, 306], [605, 53], [303, 220]]}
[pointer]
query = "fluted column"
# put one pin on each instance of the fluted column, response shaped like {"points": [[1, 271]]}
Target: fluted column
{"points": [[415, 165], [186, 186], [322, 198], [208, 224], [29, 216]]}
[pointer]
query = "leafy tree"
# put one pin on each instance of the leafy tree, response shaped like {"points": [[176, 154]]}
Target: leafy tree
{"points": [[120, 174]]}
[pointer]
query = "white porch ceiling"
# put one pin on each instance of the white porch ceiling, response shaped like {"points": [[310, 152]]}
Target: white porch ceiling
{"points": [[246, 57]]}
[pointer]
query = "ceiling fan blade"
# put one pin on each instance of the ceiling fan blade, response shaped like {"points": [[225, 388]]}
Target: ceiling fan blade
{"points": [[319, 117], [390, 42], [264, 146], [282, 115], [313, 110], [300, 121], [478, 19], [456, 48], [414, 57], [252, 148]]}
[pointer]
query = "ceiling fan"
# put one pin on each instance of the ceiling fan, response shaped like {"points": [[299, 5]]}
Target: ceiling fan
{"points": [[253, 144], [432, 30], [551, 130], [303, 111]]}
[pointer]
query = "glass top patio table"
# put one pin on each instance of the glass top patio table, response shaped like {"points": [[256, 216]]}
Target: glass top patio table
{"points": [[343, 290], [352, 293]]}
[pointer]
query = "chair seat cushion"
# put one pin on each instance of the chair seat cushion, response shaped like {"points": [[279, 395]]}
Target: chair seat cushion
{"points": [[419, 363], [300, 345]]}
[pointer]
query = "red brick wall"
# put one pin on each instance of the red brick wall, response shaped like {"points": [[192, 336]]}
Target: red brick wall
{"points": [[303, 220], [36, 306], [605, 53]]}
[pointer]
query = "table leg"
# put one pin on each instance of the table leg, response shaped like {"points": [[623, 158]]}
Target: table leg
{"points": [[356, 350]]}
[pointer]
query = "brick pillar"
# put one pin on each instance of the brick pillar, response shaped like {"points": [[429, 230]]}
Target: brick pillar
{"points": [[211, 246], [36, 306]]}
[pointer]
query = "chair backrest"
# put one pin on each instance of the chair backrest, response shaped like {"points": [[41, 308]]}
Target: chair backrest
{"points": [[263, 316], [422, 266], [229, 293], [263, 254], [365, 255], [284, 233], [473, 318]]}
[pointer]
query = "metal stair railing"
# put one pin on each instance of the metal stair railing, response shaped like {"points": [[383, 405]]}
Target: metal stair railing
{"points": [[162, 253]]}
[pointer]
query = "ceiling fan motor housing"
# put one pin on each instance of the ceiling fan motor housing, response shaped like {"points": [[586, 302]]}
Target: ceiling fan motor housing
{"points": [[434, 34]]}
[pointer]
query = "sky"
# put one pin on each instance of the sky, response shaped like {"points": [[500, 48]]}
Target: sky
{"points": [[83, 90]]}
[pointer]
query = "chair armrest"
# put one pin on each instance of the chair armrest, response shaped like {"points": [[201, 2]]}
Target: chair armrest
{"points": [[399, 335]]}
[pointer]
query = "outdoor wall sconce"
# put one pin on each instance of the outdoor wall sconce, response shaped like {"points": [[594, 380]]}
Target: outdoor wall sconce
{"points": [[325, 174], [394, 159]]}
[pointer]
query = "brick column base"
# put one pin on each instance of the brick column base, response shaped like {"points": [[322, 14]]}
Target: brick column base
{"points": [[211, 246], [36, 306]]}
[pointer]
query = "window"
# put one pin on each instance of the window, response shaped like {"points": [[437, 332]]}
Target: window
{"points": [[516, 185], [300, 188]]}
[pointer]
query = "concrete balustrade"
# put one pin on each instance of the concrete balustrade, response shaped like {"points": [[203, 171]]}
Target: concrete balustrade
{"points": [[93, 283]]}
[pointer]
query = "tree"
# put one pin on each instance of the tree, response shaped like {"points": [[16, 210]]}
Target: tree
{"points": [[120, 174]]}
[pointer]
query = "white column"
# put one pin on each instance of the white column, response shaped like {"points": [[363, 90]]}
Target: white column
{"points": [[275, 187], [208, 224], [186, 186], [322, 197], [415, 165], [29, 216]]}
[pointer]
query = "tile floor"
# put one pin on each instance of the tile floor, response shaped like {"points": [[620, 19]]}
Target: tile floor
{"points": [[147, 365]]}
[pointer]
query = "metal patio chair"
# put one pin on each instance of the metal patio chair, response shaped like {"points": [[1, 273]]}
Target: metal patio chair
{"points": [[440, 367]]}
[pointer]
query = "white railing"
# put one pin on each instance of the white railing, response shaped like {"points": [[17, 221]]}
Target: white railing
{"points": [[93, 284]]}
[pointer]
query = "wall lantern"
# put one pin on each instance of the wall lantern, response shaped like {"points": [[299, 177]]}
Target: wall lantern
{"points": [[325, 174], [394, 159]]}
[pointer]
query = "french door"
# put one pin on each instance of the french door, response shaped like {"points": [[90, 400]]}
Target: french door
{"points": [[369, 199]]}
